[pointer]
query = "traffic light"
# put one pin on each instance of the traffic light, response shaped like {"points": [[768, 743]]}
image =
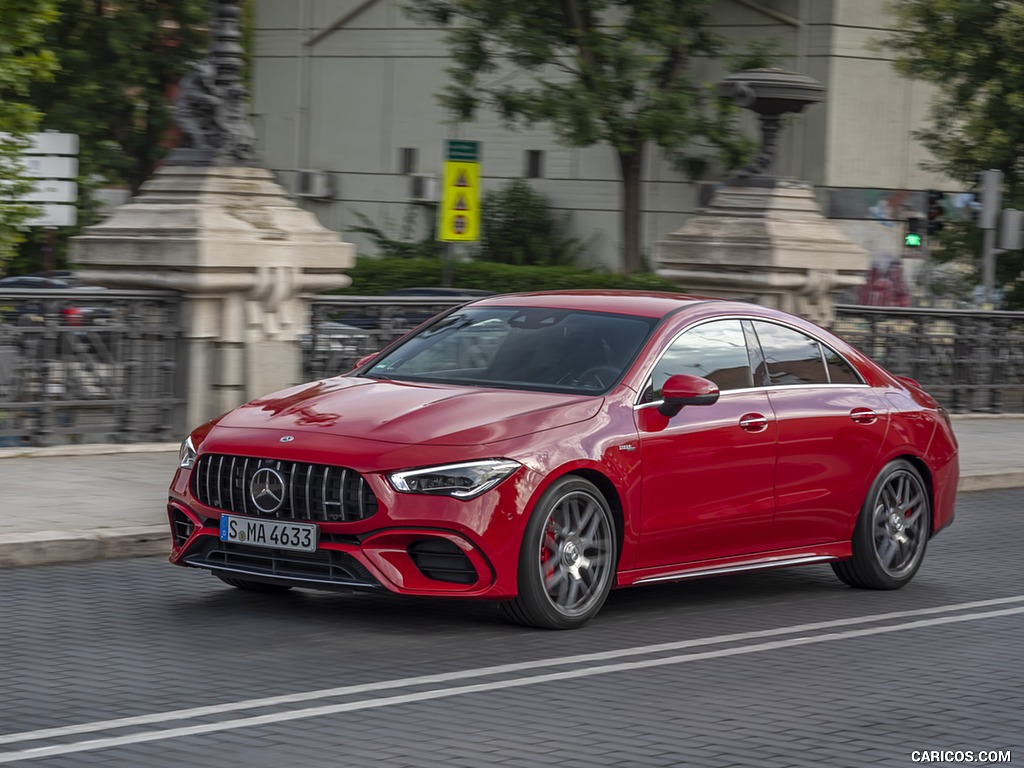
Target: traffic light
{"points": [[913, 237], [935, 211]]}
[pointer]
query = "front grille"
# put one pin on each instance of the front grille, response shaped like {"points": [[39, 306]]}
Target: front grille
{"points": [[181, 527], [442, 560], [324, 567], [315, 492]]}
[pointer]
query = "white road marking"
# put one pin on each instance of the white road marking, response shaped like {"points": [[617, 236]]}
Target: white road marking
{"points": [[332, 709], [447, 677]]}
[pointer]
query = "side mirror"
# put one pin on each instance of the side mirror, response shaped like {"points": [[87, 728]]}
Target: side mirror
{"points": [[364, 360], [683, 389]]}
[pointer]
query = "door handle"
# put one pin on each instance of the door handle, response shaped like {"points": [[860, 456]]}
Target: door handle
{"points": [[753, 422], [863, 416]]}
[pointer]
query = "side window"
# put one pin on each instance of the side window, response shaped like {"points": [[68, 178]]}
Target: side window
{"points": [[715, 351], [839, 371], [792, 357]]}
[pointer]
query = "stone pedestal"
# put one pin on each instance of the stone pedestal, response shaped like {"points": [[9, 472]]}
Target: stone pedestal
{"points": [[247, 262], [766, 241]]}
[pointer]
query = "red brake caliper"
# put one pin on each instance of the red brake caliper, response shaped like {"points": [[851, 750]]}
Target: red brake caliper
{"points": [[547, 549]]}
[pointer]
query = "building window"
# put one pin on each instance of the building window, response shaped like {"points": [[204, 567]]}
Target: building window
{"points": [[534, 163], [407, 157]]}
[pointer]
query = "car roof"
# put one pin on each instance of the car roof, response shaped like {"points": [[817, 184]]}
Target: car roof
{"points": [[640, 303]]}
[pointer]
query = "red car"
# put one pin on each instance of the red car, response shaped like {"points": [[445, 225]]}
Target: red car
{"points": [[541, 449]]}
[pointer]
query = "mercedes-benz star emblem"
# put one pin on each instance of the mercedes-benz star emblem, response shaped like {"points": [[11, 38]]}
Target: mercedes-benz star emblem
{"points": [[266, 489], [287, 439]]}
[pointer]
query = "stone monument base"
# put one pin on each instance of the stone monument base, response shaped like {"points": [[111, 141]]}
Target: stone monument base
{"points": [[766, 241], [247, 262]]}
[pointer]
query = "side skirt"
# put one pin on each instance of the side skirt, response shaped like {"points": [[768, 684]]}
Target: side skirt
{"points": [[758, 562]]}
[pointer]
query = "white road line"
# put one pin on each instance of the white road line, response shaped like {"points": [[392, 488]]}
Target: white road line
{"points": [[443, 693], [447, 677]]}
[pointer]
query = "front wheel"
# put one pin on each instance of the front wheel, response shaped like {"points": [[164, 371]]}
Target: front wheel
{"points": [[567, 559], [892, 531]]}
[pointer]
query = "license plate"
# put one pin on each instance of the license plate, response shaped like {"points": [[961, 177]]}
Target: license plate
{"points": [[300, 537]]}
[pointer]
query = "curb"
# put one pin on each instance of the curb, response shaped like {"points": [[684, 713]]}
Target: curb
{"points": [[991, 481], [49, 547], [89, 449]]}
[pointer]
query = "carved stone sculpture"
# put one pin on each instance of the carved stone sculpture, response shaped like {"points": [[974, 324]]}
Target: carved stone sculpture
{"points": [[211, 108]]}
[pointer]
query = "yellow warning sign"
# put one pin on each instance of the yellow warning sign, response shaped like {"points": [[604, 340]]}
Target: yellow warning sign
{"points": [[459, 215]]}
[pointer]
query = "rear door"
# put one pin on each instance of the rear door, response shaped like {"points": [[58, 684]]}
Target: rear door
{"points": [[831, 427]]}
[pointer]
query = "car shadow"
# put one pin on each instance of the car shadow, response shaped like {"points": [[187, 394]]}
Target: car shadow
{"points": [[379, 611]]}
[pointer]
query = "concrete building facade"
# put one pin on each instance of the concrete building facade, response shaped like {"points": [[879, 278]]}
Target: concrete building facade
{"points": [[345, 108]]}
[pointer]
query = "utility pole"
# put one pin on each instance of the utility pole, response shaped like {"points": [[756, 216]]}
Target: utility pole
{"points": [[991, 187]]}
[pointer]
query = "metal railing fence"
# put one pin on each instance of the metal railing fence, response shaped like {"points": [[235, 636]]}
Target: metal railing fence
{"points": [[88, 365], [969, 360], [344, 329], [94, 365]]}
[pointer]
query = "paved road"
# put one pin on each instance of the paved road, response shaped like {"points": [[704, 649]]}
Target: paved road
{"points": [[938, 665]]}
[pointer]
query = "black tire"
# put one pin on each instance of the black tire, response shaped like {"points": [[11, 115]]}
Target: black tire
{"points": [[567, 559], [252, 586], [892, 531]]}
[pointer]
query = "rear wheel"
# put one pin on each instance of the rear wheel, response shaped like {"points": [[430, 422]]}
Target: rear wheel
{"points": [[892, 531], [567, 559], [252, 586]]}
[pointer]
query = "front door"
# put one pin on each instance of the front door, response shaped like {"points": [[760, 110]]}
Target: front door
{"points": [[708, 472]]}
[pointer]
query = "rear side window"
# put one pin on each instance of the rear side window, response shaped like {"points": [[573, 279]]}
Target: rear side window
{"points": [[791, 357], [839, 371]]}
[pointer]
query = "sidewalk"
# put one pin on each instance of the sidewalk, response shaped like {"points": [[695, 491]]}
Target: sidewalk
{"points": [[90, 502]]}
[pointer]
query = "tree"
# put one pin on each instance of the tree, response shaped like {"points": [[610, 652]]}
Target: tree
{"points": [[601, 71], [972, 52], [120, 62], [119, 65], [23, 60]]}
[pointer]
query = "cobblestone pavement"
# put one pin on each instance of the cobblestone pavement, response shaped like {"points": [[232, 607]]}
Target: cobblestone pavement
{"points": [[88, 642]]}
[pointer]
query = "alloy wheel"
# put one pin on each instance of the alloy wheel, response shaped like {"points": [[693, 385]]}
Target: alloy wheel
{"points": [[575, 554], [899, 521]]}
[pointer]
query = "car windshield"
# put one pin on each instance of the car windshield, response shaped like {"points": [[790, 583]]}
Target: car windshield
{"points": [[533, 348]]}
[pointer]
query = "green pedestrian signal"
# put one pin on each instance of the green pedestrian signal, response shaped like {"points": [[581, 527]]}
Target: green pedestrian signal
{"points": [[912, 238]]}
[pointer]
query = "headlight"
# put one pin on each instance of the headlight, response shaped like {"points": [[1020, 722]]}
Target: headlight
{"points": [[187, 454], [462, 481]]}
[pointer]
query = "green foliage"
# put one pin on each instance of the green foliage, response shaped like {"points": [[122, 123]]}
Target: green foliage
{"points": [[119, 64], [372, 276], [953, 278], [972, 51], [519, 227], [598, 71], [24, 60], [403, 244]]}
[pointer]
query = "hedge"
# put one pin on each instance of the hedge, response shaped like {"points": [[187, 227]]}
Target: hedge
{"points": [[376, 276]]}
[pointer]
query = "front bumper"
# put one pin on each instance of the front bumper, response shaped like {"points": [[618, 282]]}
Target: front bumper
{"points": [[413, 544]]}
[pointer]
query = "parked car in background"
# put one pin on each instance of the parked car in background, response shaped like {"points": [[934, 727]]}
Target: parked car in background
{"points": [[34, 281], [469, 293], [26, 307], [542, 449]]}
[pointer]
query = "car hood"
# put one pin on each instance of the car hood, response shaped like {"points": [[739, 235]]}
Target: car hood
{"points": [[412, 413]]}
